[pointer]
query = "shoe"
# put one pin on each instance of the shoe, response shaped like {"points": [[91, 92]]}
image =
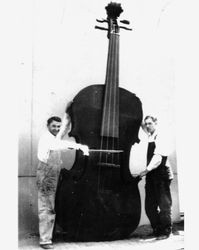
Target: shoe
{"points": [[155, 233], [47, 246], [163, 237], [151, 235]]}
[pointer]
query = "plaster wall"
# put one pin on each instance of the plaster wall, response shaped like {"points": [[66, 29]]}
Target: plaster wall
{"points": [[63, 53]]}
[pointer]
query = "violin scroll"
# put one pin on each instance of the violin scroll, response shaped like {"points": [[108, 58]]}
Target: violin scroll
{"points": [[113, 12]]}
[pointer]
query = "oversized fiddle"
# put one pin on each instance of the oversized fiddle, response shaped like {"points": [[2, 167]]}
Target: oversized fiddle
{"points": [[98, 199]]}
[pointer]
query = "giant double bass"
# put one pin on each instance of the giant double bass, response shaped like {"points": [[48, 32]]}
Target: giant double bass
{"points": [[98, 199]]}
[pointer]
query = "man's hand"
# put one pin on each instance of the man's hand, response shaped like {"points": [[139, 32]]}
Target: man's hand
{"points": [[137, 177], [84, 149], [143, 173]]}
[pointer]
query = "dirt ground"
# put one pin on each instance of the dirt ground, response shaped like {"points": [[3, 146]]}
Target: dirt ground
{"points": [[138, 241]]}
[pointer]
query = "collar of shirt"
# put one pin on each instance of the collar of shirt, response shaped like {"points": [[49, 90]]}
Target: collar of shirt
{"points": [[152, 137], [48, 133]]}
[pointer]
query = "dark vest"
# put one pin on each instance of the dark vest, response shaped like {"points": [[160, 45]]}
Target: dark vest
{"points": [[162, 171], [150, 151]]}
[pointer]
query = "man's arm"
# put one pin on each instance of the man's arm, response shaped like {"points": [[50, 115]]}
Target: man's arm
{"points": [[155, 162], [64, 126], [58, 144], [162, 149]]}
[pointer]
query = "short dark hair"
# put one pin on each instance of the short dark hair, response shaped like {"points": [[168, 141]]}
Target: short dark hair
{"points": [[53, 118], [154, 119]]}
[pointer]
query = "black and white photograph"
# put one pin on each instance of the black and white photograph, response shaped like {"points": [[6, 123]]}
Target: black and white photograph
{"points": [[100, 161]]}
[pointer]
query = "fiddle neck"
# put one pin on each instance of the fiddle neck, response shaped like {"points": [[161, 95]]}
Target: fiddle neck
{"points": [[110, 120], [112, 70]]}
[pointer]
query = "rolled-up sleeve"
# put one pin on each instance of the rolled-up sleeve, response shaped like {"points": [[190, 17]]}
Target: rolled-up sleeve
{"points": [[48, 143], [162, 146], [155, 162], [58, 144]]}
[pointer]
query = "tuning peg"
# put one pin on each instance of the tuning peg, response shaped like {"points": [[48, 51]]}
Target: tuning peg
{"points": [[102, 21], [125, 28], [100, 28], [125, 21]]}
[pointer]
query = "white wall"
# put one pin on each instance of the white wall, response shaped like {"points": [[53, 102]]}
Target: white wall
{"points": [[63, 53]]}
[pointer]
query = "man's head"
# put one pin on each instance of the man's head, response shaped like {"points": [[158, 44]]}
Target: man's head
{"points": [[54, 124], [150, 123]]}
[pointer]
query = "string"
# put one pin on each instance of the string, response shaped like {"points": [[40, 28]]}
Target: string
{"points": [[115, 96], [110, 83], [110, 122], [104, 112], [112, 100], [113, 90]]}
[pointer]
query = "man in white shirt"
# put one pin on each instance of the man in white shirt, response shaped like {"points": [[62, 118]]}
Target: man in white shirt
{"points": [[159, 174], [49, 155]]}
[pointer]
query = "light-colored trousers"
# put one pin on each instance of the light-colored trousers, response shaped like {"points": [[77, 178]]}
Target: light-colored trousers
{"points": [[47, 178]]}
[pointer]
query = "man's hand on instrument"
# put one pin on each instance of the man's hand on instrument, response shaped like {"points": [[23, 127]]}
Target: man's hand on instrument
{"points": [[84, 149], [143, 173]]}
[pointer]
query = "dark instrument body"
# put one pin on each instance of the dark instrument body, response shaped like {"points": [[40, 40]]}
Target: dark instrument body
{"points": [[98, 199]]}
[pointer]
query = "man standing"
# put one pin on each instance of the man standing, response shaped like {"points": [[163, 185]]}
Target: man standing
{"points": [[49, 155], [158, 173]]}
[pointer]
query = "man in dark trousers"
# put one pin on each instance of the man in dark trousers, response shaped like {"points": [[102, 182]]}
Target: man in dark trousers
{"points": [[158, 173]]}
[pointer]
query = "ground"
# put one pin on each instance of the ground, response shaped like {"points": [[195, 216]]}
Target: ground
{"points": [[138, 241]]}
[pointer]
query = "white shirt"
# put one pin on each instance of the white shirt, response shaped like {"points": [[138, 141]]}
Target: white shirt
{"points": [[50, 142]]}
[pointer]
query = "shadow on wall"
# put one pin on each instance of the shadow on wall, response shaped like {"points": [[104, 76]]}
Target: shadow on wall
{"points": [[27, 206]]}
